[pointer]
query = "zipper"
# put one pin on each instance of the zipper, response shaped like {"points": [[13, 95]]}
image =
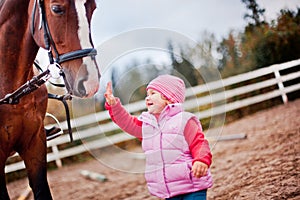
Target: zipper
{"points": [[162, 158]]}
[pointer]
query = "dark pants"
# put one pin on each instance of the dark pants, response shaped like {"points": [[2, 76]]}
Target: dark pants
{"points": [[199, 195]]}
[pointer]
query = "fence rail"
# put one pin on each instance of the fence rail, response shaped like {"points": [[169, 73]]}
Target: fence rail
{"points": [[193, 102]]}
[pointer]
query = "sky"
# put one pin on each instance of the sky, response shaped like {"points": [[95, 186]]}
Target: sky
{"points": [[189, 17], [126, 29]]}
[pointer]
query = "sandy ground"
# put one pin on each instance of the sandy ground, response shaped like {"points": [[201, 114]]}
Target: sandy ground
{"points": [[265, 165]]}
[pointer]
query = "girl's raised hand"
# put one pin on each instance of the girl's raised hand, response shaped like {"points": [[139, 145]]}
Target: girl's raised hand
{"points": [[109, 97]]}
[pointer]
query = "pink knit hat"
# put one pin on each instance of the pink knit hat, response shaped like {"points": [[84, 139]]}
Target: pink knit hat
{"points": [[172, 87]]}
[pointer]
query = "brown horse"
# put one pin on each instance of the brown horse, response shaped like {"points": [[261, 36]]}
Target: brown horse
{"points": [[63, 28]]}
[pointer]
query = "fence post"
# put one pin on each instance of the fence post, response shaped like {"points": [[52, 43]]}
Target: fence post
{"points": [[280, 86], [56, 155]]}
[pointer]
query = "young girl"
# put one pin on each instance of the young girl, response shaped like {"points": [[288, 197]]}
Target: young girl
{"points": [[177, 155]]}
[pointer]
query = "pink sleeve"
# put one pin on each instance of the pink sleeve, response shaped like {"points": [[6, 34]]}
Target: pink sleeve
{"points": [[199, 146], [125, 120]]}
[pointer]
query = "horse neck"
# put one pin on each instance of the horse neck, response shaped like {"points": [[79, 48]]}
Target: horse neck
{"points": [[17, 47]]}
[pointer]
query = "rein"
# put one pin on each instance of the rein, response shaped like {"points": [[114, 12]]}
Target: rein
{"points": [[32, 85], [27, 88]]}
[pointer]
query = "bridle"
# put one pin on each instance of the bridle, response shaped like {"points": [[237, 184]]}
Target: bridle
{"points": [[50, 44], [37, 81], [59, 58]]}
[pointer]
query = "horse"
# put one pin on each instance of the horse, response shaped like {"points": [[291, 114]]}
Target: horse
{"points": [[62, 27]]}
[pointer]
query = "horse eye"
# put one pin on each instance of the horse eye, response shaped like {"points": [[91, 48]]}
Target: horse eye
{"points": [[58, 9]]}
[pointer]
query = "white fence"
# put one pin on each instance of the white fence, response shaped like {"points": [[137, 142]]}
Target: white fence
{"points": [[192, 103]]}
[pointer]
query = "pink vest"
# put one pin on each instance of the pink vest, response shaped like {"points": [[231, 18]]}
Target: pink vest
{"points": [[168, 158]]}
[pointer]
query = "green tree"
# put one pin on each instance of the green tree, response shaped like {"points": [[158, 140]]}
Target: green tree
{"points": [[183, 67], [256, 13], [279, 42], [262, 44], [231, 55]]}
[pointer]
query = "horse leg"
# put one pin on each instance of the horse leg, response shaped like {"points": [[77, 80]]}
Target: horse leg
{"points": [[3, 189], [35, 160]]}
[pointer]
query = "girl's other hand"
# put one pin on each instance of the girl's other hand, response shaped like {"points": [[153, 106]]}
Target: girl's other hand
{"points": [[109, 97], [199, 169]]}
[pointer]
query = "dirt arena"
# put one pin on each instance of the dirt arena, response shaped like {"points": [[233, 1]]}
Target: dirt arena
{"points": [[265, 165]]}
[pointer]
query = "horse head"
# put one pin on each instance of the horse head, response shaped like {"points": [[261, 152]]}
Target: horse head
{"points": [[63, 28]]}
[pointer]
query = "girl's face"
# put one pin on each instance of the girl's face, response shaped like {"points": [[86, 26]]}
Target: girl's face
{"points": [[155, 101]]}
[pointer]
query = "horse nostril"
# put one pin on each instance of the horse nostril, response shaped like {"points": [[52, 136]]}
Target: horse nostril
{"points": [[82, 78], [80, 88]]}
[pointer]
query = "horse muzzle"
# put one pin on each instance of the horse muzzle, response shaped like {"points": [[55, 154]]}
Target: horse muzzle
{"points": [[82, 81], [85, 86]]}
